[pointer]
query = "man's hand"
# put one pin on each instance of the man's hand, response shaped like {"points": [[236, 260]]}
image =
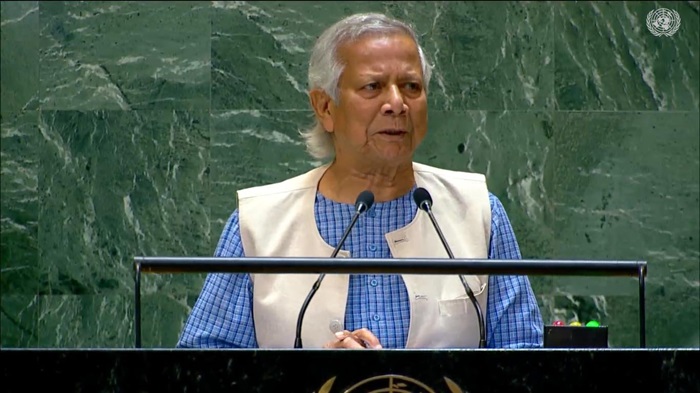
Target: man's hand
{"points": [[359, 339]]}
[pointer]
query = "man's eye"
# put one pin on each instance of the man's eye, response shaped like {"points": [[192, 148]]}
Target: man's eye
{"points": [[413, 86], [372, 86]]}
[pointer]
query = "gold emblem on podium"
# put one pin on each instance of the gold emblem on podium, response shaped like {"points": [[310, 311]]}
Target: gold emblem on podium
{"points": [[390, 383]]}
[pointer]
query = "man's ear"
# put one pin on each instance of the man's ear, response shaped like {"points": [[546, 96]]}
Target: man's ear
{"points": [[322, 104]]}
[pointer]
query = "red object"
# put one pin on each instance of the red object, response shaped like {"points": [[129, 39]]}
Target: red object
{"points": [[558, 323]]}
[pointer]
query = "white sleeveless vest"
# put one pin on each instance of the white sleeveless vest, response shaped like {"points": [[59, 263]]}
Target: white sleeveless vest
{"points": [[277, 220]]}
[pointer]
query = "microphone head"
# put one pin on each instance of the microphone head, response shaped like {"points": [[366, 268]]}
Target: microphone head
{"points": [[422, 198], [364, 201]]}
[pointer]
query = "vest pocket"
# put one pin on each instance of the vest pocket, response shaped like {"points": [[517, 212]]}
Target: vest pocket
{"points": [[461, 304], [453, 307]]}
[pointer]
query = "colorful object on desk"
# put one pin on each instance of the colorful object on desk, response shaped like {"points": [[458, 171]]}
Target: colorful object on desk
{"points": [[558, 323], [593, 323], [575, 323]]}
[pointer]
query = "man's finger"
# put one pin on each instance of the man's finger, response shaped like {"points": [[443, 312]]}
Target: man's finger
{"points": [[347, 336], [350, 342], [368, 337]]}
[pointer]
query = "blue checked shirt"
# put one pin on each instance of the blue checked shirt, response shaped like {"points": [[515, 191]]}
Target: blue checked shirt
{"points": [[222, 316]]}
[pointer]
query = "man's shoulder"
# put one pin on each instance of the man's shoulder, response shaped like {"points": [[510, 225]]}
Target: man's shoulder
{"points": [[299, 182], [448, 173], [495, 202]]}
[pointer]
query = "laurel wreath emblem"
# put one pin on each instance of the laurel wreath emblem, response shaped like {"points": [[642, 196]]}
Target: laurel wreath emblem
{"points": [[663, 21]]}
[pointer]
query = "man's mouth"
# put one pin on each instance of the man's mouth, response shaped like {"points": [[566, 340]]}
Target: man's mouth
{"points": [[393, 132]]}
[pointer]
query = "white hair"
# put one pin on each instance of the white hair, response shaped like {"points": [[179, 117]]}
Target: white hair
{"points": [[325, 68]]}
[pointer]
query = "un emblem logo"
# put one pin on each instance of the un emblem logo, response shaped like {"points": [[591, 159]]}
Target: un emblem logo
{"points": [[391, 384], [663, 22]]}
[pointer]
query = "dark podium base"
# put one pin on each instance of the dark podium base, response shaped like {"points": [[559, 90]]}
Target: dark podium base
{"points": [[449, 371]]}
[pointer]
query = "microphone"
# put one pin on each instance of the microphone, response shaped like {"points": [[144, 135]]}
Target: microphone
{"points": [[363, 202], [422, 198]]}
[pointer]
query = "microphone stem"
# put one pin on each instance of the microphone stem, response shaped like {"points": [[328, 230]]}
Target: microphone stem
{"points": [[470, 294], [300, 319], [317, 284], [345, 235], [479, 315], [439, 232]]}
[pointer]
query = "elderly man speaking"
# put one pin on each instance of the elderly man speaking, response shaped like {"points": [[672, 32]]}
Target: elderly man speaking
{"points": [[368, 78]]}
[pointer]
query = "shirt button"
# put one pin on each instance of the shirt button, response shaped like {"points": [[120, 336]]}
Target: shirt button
{"points": [[371, 213], [376, 317], [373, 283], [372, 247]]}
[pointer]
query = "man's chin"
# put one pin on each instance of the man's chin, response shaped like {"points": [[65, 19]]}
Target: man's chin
{"points": [[393, 155]]}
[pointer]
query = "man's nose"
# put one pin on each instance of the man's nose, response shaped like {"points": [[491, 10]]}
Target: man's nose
{"points": [[395, 104]]}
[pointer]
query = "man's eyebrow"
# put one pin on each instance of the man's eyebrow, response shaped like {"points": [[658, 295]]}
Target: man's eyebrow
{"points": [[408, 74]]}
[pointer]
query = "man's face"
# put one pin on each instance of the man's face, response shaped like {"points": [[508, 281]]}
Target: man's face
{"points": [[382, 113]]}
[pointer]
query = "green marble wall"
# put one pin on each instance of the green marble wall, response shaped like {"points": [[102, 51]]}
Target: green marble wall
{"points": [[127, 127]]}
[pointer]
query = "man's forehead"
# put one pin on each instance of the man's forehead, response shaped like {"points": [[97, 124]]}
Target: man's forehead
{"points": [[371, 37]]}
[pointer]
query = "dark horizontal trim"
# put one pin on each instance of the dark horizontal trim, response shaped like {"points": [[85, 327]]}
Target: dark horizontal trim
{"points": [[390, 266]]}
